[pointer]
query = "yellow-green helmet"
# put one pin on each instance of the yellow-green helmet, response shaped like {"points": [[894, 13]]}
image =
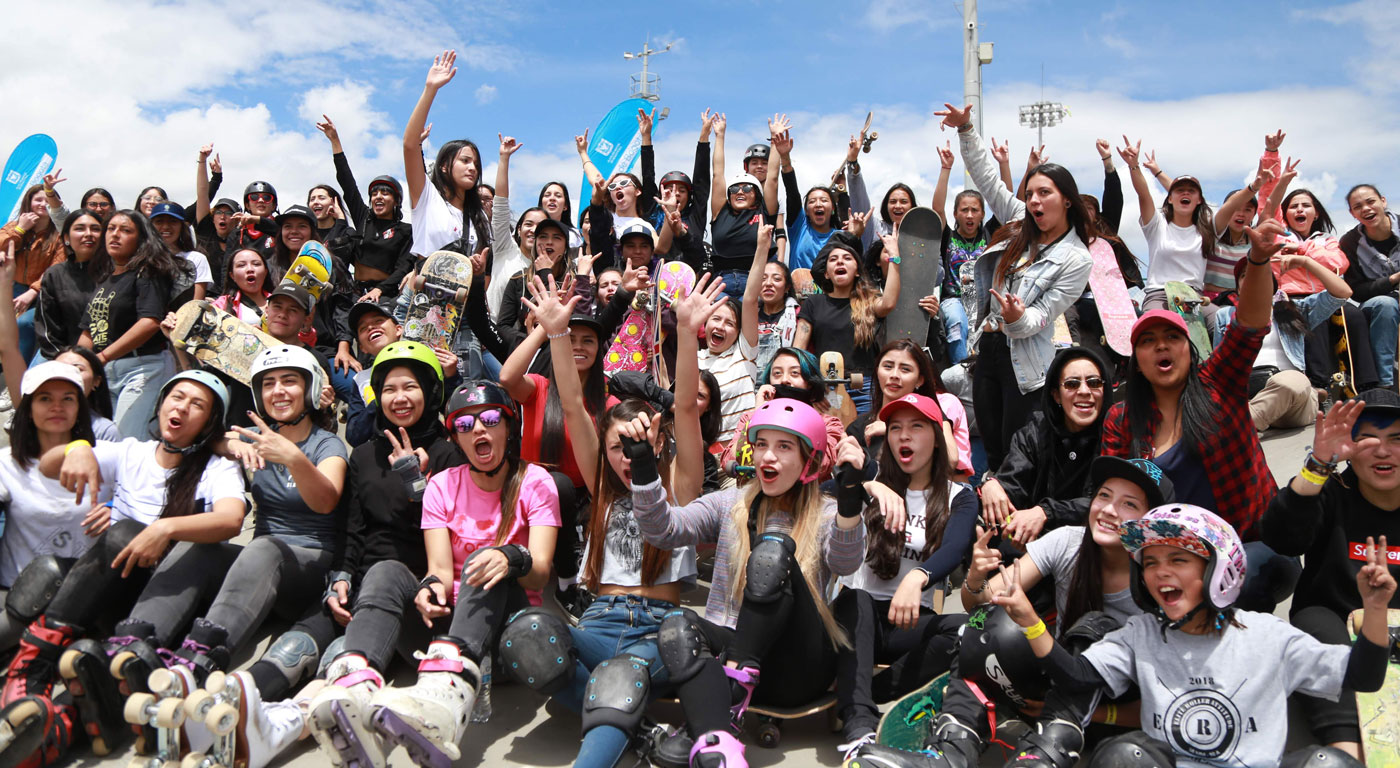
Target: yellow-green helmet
{"points": [[420, 359]]}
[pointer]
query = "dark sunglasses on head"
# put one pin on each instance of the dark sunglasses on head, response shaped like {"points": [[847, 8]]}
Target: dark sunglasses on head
{"points": [[467, 421], [620, 183], [1072, 385], [261, 197]]}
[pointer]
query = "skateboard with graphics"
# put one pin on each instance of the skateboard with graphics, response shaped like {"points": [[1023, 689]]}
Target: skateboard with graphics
{"points": [[311, 269], [1379, 712], [906, 724], [1111, 297], [438, 299], [920, 274], [1185, 301], [219, 340], [833, 368], [637, 345]]}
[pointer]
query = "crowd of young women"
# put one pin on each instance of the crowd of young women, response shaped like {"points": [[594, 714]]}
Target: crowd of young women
{"points": [[534, 500]]}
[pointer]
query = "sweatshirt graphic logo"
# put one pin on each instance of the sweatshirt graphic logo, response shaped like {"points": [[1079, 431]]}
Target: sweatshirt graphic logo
{"points": [[1203, 723]]}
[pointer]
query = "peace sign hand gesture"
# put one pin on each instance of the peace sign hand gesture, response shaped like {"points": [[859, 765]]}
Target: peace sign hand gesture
{"points": [[403, 446], [1012, 306], [1374, 581], [270, 444]]}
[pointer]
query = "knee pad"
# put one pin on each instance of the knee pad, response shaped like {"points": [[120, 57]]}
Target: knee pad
{"points": [[294, 654], [995, 655], [770, 562], [334, 649], [120, 534], [1053, 744], [1091, 628], [34, 587], [681, 644], [617, 693], [538, 650], [1133, 750], [1319, 757]]}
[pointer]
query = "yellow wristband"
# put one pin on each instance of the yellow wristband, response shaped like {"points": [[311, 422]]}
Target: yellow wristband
{"points": [[1110, 714], [19, 230], [70, 446], [1035, 630], [1312, 477]]}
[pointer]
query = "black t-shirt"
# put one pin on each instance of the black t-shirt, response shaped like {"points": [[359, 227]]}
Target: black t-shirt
{"points": [[117, 304], [832, 331], [734, 235], [1384, 246]]}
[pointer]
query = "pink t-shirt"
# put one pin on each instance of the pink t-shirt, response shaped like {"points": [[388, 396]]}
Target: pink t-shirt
{"points": [[471, 515], [953, 409]]}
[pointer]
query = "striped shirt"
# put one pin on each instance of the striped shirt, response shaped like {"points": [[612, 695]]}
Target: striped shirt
{"points": [[736, 373]]}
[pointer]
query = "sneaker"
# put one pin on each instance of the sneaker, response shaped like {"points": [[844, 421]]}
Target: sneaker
{"points": [[34, 668], [430, 717], [849, 749], [340, 713], [5, 402]]}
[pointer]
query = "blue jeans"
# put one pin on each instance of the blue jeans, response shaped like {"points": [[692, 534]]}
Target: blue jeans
{"points": [[861, 397], [1383, 317], [343, 382], [135, 382], [955, 323], [734, 282], [611, 626], [26, 324]]}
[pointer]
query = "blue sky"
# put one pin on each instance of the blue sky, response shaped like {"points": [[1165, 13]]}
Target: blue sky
{"points": [[1201, 82]]}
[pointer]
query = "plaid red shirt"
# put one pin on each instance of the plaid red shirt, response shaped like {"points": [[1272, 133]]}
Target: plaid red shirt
{"points": [[1239, 477]]}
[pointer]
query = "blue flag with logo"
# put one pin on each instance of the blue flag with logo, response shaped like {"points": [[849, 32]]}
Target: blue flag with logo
{"points": [[614, 145], [34, 157]]}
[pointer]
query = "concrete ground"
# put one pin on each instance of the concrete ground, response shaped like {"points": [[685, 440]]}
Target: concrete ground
{"points": [[524, 730]]}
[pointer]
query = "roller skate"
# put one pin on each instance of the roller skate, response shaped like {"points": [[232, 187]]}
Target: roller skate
{"points": [[340, 713], [430, 717]]}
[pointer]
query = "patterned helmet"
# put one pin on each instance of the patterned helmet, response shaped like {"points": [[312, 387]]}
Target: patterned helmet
{"points": [[1198, 531]]}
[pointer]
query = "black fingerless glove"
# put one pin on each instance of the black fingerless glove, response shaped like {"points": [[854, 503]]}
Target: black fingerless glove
{"points": [[644, 470], [851, 497], [412, 477], [519, 561]]}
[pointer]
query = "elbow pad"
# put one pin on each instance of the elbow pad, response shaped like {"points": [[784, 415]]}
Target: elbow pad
{"points": [[411, 476]]}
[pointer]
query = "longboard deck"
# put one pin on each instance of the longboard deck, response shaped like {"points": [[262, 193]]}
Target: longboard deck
{"points": [[905, 725], [1379, 712], [1111, 297], [920, 274], [436, 304], [218, 339]]}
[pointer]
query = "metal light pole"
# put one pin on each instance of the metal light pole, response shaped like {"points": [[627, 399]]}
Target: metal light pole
{"points": [[1042, 115], [644, 84], [975, 54]]}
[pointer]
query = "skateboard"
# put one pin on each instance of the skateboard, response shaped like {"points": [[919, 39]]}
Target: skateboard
{"points": [[920, 274], [439, 297], [905, 725], [219, 340], [1184, 300], [833, 368], [309, 272], [1344, 380], [674, 281], [1111, 298], [768, 719], [219, 706], [869, 137], [637, 345], [1062, 337], [803, 285], [1379, 712]]}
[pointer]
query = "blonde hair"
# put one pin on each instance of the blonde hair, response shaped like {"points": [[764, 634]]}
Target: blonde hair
{"points": [[806, 502], [863, 319]]}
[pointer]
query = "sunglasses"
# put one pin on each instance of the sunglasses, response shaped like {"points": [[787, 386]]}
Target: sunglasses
{"points": [[621, 183], [467, 421], [1072, 385], [261, 197], [742, 189]]}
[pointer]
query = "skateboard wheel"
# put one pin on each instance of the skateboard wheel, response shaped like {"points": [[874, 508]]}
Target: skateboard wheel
{"points": [[222, 719], [461, 296], [192, 760], [198, 703], [66, 664], [169, 713], [418, 283], [857, 380], [134, 711], [769, 734]]}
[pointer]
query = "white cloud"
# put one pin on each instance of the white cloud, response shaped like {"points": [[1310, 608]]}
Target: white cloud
{"points": [[886, 15], [485, 94]]}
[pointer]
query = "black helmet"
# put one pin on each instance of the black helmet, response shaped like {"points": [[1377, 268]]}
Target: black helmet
{"points": [[259, 186], [478, 392], [395, 189], [756, 150], [677, 177], [995, 653]]}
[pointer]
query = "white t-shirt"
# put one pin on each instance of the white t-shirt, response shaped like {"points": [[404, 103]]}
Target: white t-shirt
{"points": [[1272, 352], [201, 267], [435, 223], [736, 373], [1173, 253], [140, 482], [914, 541], [42, 518]]}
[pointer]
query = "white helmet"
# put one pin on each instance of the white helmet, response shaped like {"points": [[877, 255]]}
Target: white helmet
{"points": [[296, 358]]}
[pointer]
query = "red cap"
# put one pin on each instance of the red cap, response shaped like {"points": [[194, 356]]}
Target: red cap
{"points": [[1157, 317], [921, 403]]}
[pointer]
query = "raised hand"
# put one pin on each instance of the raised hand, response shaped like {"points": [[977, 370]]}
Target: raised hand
{"points": [[702, 301], [1374, 581], [215, 166], [853, 148], [442, 71], [427, 131], [891, 249], [1290, 171], [1130, 152], [403, 446], [1332, 433], [635, 279], [1012, 306], [778, 124], [1013, 599], [848, 451], [985, 559], [1272, 141], [208, 149], [551, 311], [707, 123], [954, 117], [1001, 154], [645, 121], [1264, 240], [1262, 177], [7, 263], [945, 154], [857, 223], [1105, 149], [1038, 156], [269, 444], [51, 179], [719, 122], [327, 126], [1150, 162], [581, 144]]}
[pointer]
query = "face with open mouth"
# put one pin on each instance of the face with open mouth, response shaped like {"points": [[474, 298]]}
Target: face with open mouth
{"points": [[1185, 197], [484, 444], [184, 412], [778, 461], [1175, 578], [249, 271], [1368, 207], [319, 201], [773, 289], [819, 208], [1117, 501], [969, 215], [1163, 355], [1045, 204], [841, 268], [375, 332], [1377, 466], [742, 196], [912, 439], [898, 374], [283, 394], [721, 330], [381, 200], [1080, 393], [623, 192], [617, 458], [552, 200], [401, 397], [1300, 213], [898, 204]]}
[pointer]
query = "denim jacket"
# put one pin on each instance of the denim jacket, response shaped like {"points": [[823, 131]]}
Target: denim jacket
{"points": [[1048, 286], [1315, 308]]}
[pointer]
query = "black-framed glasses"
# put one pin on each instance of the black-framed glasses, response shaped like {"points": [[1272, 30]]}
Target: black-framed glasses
{"points": [[467, 421], [1072, 385]]}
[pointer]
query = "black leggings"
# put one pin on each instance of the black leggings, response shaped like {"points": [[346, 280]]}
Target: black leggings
{"points": [[1331, 721], [1001, 407], [784, 638], [94, 592], [915, 656]]}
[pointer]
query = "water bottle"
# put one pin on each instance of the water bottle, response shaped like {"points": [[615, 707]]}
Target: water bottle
{"points": [[481, 712]]}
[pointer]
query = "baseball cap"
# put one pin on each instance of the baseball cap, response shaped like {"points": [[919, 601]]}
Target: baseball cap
{"points": [[225, 202], [921, 403], [297, 212], [637, 228], [1157, 317], [555, 224], [1383, 404], [296, 293], [383, 307], [48, 371], [1180, 180], [1140, 472], [168, 209]]}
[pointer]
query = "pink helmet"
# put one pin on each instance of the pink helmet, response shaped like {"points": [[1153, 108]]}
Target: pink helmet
{"points": [[1198, 531], [796, 418]]}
